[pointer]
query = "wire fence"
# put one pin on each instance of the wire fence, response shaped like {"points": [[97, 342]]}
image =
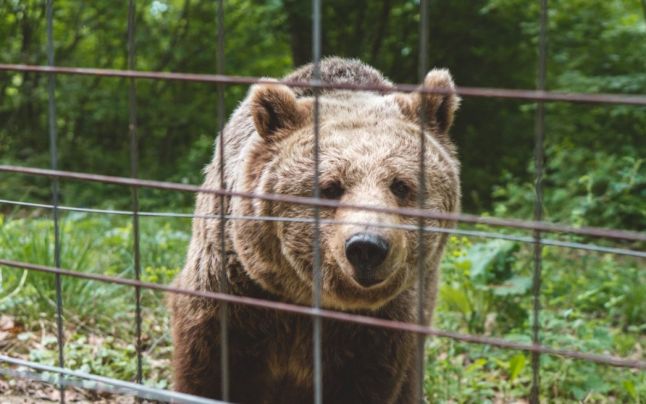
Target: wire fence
{"points": [[63, 377]]}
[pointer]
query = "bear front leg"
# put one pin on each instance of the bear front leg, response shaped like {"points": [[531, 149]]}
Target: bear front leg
{"points": [[196, 340], [375, 368]]}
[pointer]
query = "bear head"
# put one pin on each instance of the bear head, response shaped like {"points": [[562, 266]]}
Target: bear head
{"points": [[370, 146]]}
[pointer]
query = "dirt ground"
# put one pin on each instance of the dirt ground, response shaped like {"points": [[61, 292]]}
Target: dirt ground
{"points": [[19, 391], [26, 391]]}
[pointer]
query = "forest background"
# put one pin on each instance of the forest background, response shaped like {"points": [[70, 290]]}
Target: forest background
{"points": [[595, 169]]}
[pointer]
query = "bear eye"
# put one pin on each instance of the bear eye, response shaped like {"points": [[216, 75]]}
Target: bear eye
{"points": [[332, 190], [400, 189]]}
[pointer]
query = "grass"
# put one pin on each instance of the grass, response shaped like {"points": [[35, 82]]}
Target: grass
{"points": [[591, 302]]}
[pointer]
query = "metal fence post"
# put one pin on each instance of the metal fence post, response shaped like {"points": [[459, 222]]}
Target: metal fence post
{"points": [[421, 203], [316, 274], [53, 143], [134, 173], [538, 204], [224, 288]]}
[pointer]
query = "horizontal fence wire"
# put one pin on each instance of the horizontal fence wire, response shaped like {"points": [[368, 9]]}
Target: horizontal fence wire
{"points": [[407, 227], [307, 201], [82, 380], [340, 316], [528, 95]]}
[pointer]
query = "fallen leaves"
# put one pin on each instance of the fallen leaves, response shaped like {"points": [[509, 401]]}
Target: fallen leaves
{"points": [[9, 327]]}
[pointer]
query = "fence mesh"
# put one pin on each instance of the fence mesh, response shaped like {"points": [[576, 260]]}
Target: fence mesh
{"points": [[64, 377]]}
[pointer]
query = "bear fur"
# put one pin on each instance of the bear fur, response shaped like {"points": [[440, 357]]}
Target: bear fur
{"points": [[370, 147]]}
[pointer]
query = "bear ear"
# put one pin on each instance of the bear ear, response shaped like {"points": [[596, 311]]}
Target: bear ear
{"points": [[274, 109], [435, 110]]}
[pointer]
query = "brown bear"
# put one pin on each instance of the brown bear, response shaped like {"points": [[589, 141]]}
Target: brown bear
{"points": [[370, 148]]}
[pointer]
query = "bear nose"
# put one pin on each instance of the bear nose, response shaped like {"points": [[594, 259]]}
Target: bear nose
{"points": [[366, 252]]}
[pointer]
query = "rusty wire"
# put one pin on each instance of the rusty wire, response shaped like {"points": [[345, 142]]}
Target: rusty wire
{"points": [[340, 316], [481, 92], [307, 201], [406, 227]]}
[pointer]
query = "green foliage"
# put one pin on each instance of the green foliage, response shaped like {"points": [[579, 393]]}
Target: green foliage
{"points": [[595, 172], [591, 303], [94, 244], [479, 284], [96, 356], [99, 317], [583, 187], [176, 121]]}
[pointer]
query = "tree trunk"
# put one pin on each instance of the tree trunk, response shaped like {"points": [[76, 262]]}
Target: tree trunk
{"points": [[381, 31], [299, 21]]}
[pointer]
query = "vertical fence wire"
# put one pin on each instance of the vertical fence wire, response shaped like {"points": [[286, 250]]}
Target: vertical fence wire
{"points": [[134, 173], [421, 248], [53, 140], [316, 274], [224, 286], [538, 202]]}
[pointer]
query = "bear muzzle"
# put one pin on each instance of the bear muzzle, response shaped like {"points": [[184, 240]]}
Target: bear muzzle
{"points": [[366, 252]]}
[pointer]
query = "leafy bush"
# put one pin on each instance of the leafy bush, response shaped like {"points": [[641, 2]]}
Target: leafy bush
{"points": [[591, 303], [480, 285], [583, 187]]}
